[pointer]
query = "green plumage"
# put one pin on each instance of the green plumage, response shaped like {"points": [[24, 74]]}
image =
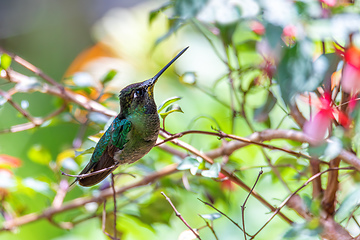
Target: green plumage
{"points": [[132, 134]]}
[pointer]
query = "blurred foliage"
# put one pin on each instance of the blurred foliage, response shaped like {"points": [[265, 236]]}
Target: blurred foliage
{"points": [[249, 63]]}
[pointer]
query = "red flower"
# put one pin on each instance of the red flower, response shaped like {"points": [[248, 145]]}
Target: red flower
{"points": [[317, 127], [351, 74], [226, 183], [257, 28]]}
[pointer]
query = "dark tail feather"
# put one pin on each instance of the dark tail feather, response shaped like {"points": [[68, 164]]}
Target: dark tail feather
{"points": [[106, 161], [87, 169]]}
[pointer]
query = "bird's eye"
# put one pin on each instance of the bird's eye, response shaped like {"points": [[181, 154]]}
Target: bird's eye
{"points": [[138, 93]]}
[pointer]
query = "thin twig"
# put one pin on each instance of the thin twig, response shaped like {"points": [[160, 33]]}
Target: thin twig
{"points": [[178, 214], [230, 136], [237, 225], [246, 199], [78, 202], [114, 199], [312, 178], [90, 174]]}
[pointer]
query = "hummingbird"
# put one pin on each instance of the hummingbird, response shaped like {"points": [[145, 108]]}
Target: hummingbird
{"points": [[131, 135]]}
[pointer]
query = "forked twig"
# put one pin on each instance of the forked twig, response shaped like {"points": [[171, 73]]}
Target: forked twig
{"points": [[178, 214], [246, 199]]}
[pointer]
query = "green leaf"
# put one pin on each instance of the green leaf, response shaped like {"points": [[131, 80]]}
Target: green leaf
{"points": [[109, 76], [349, 204], [307, 230], [154, 13], [188, 163], [213, 171], [297, 73], [317, 151], [167, 102], [212, 216], [39, 154], [262, 114], [227, 31], [87, 151], [273, 34], [171, 109], [333, 60], [5, 61]]}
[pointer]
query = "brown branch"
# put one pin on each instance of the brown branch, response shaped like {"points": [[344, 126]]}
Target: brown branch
{"points": [[65, 94], [315, 169], [247, 141], [295, 192], [230, 176], [270, 134], [51, 211], [329, 200], [178, 214], [32, 68], [30, 125]]}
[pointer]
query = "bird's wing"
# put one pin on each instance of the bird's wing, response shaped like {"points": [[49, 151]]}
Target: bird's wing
{"points": [[114, 139]]}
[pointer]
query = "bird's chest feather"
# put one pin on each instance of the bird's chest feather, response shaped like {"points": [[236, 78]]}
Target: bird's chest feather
{"points": [[141, 138]]}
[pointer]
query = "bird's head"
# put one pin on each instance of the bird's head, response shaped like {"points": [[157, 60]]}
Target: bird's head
{"points": [[140, 96]]}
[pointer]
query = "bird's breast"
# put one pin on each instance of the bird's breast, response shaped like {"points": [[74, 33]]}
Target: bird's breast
{"points": [[141, 138]]}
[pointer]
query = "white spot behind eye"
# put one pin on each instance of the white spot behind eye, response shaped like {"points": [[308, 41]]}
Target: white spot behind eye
{"points": [[135, 94]]}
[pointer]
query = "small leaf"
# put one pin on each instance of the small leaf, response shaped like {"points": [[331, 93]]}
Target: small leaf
{"points": [[261, 114], [39, 154], [351, 202], [317, 151], [167, 102], [154, 13], [213, 171], [87, 151], [212, 216], [5, 61], [188, 163], [109, 76], [188, 78], [171, 109]]}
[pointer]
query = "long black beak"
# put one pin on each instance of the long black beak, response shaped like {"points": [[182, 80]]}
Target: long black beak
{"points": [[153, 80]]}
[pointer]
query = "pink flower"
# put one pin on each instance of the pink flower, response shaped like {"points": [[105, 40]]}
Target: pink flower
{"points": [[289, 31], [257, 28], [330, 3], [317, 127]]}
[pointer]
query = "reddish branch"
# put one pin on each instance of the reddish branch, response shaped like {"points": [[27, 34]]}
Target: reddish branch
{"points": [[178, 214], [48, 213]]}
